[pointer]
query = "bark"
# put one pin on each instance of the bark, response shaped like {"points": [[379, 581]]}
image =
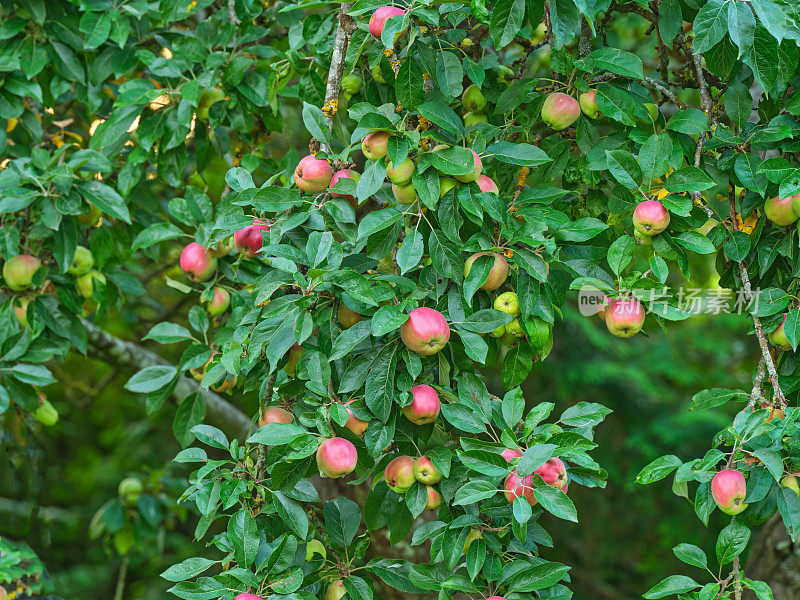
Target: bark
{"points": [[219, 412], [775, 560]]}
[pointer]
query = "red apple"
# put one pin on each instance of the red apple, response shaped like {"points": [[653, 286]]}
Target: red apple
{"points": [[247, 597], [399, 474], [426, 472], [650, 217], [313, 174], [554, 473], [336, 457], [729, 489], [515, 486], [354, 424], [249, 239], [588, 104], [18, 271], [424, 407], [782, 211], [275, 414], [434, 499], [498, 273], [378, 20], [375, 145], [478, 166], [196, 262], [510, 454], [560, 111], [347, 317], [487, 185], [426, 331], [345, 174], [625, 318]]}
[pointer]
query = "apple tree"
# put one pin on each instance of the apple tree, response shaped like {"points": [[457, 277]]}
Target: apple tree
{"points": [[470, 168]]}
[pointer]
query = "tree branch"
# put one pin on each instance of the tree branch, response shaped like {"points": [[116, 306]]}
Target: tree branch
{"points": [[755, 395], [110, 349], [341, 41]]}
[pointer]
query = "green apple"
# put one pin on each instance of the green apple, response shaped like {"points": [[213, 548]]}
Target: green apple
{"points": [[507, 302]]}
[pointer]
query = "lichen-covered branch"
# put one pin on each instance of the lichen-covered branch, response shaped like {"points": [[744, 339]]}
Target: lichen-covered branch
{"points": [[334, 85], [110, 349]]}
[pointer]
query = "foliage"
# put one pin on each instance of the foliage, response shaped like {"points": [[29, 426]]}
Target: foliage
{"points": [[179, 86]]}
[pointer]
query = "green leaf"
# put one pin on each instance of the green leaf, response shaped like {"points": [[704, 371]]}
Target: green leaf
{"points": [[618, 61], [654, 155], [731, 542], [474, 491], [710, 25], [792, 327], [517, 365], [691, 555], [155, 233], [292, 513], [189, 568], [696, 242], [443, 116], [534, 457], [507, 19], [524, 155], [690, 121], [688, 179], [763, 58], [168, 333], [449, 74], [106, 199], [772, 461], [620, 253], [674, 584], [556, 502], [624, 168], [408, 84], [737, 245], [315, 123], [350, 338], [658, 469], [151, 379], [714, 397]]}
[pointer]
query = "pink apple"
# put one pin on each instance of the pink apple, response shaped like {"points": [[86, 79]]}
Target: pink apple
{"points": [[219, 302], [498, 273], [554, 473], [196, 262], [336, 457], [378, 19], [625, 318], [560, 111], [778, 337], [335, 590], [510, 454], [354, 424], [275, 414], [424, 407], [247, 597], [515, 486], [345, 174], [650, 217], [376, 145], [399, 474], [487, 185], [313, 174], [426, 472], [434, 499], [588, 104], [475, 175], [782, 211], [426, 331], [729, 490], [249, 239]]}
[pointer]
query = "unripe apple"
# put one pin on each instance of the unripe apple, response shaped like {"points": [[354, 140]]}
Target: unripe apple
{"points": [[375, 145], [498, 274], [560, 111], [778, 337], [426, 331], [130, 490], [85, 283], [781, 211], [515, 328], [539, 33], [507, 302], [650, 217], [219, 302], [434, 499], [515, 486], [404, 194], [499, 332], [227, 384], [351, 84], [474, 534], [20, 307], [377, 75], [207, 98], [354, 424], [378, 20], [275, 414], [792, 482], [315, 547], [588, 104], [249, 239], [18, 271], [399, 474], [478, 165], [402, 174], [295, 352], [426, 472], [642, 238], [91, 218], [335, 590], [347, 317], [625, 318], [473, 99], [46, 413], [510, 454], [3, 593], [425, 405], [196, 262], [336, 457], [222, 248], [345, 174], [795, 201], [445, 185], [473, 118], [82, 262], [554, 473], [313, 175], [487, 185], [729, 490]]}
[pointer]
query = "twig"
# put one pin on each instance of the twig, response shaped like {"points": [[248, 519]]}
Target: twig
{"points": [[342, 39], [755, 395], [123, 573], [669, 94]]}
